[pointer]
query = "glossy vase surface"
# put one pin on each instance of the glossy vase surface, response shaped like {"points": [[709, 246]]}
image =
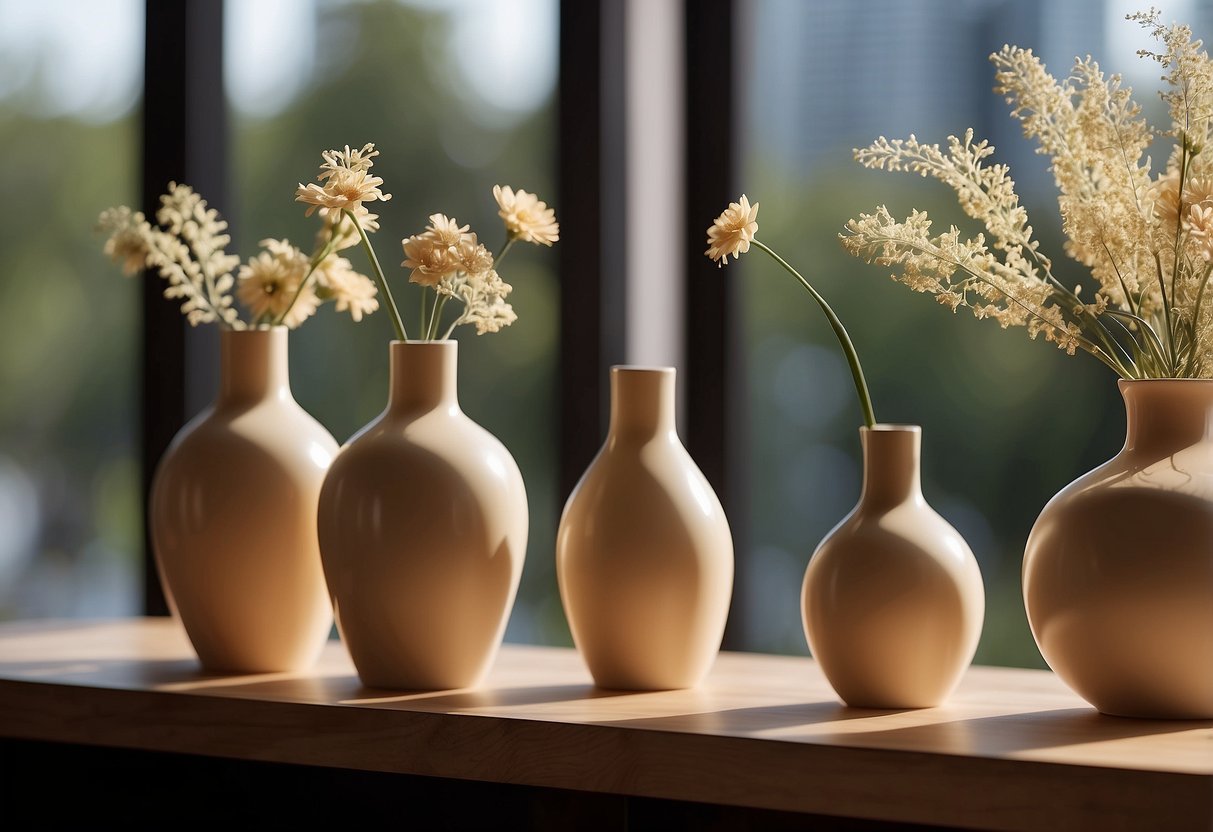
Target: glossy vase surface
{"points": [[1118, 572], [423, 530], [893, 600], [644, 555], [233, 517]]}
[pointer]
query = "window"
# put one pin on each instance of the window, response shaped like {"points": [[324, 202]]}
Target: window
{"points": [[458, 98], [1006, 422], [70, 505], [464, 94]]}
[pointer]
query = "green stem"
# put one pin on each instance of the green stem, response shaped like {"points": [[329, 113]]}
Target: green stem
{"points": [[505, 248], [436, 318], [393, 312], [844, 340], [1166, 315], [424, 303], [316, 261]]}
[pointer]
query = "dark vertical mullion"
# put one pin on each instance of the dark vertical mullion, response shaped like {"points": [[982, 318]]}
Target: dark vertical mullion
{"points": [[184, 139], [715, 381], [591, 254]]}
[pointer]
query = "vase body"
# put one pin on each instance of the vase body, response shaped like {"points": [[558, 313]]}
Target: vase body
{"points": [[644, 556], [423, 527], [233, 517], [893, 601], [1118, 572]]}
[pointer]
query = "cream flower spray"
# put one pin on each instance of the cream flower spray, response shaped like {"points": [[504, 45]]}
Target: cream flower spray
{"points": [[446, 257], [731, 235]]}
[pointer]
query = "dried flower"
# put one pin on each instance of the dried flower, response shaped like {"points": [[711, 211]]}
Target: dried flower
{"points": [[483, 295], [347, 183], [527, 218], [473, 257], [429, 258], [187, 249], [129, 238], [272, 285], [731, 233], [336, 280], [342, 233], [1145, 239], [446, 231]]}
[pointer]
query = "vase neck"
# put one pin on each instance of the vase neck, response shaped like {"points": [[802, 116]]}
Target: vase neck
{"points": [[1163, 416], [891, 464], [642, 402], [423, 376], [253, 366]]}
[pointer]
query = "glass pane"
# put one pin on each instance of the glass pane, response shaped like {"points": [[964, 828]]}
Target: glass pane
{"points": [[457, 96], [70, 515], [1006, 421]]}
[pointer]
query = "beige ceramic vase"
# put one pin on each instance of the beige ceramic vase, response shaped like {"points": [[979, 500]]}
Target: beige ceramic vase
{"points": [[1118, 573], [644, 556], [892, 599], [423, 529], [233, 517]]}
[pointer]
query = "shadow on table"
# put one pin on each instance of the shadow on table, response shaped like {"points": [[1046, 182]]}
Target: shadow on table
{"points": [[997, 735]]}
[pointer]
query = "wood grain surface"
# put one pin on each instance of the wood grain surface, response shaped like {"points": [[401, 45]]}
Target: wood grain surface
{"points": [[1014, 749]]}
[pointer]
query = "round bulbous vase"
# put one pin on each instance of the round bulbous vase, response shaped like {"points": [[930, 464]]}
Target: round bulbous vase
{"points": [[423, 528], [644, 555], [233, 517], [1118, 571], [892, 599]]}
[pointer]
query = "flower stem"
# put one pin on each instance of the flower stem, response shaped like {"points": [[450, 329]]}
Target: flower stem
{"points": [[436, 320], [316, 261], [505, 248], [844, 340], [393, 312]]}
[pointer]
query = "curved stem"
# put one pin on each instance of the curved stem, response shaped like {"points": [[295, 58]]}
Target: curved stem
{"points": [[393, 312], [844, 340]]}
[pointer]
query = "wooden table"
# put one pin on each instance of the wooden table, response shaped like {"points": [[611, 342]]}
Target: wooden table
{"points": [[1013, 750]]}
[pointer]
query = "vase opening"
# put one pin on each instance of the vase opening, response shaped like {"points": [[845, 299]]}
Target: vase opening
{"points": [[891, 464], [423, 376], [643, 401], [1166, 415], [253, 365]]}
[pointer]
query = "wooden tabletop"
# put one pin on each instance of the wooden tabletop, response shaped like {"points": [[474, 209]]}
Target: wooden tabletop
{"points": [[1014, 749]]}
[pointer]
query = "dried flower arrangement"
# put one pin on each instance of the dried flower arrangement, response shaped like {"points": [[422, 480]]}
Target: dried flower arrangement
{"points": [[284, 286], [1147, 240]]}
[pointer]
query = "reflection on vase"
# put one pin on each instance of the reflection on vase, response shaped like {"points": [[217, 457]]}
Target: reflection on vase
{"points": [[233, 517], [893, 601], [1118, 572], [423, 528], [644, 555]]}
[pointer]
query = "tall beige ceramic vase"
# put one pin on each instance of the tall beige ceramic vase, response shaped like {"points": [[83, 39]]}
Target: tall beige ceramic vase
{"points": [[233, 517], [1118, 573], [892, 599], [644, 556], [423, 529]]}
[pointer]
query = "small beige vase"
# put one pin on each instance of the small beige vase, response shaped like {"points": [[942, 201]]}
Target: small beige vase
{"points": [[423, 529], [233, 517], [1118, 572], [893, 599], [644, 556]]}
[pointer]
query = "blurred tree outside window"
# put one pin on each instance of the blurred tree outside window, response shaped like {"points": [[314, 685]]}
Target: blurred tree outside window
{"points": [[70, 513]]}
